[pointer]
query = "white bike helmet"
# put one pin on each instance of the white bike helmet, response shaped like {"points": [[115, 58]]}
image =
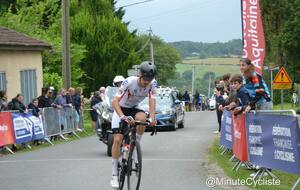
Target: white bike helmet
{"points": [[118, 79], [102, 89]]}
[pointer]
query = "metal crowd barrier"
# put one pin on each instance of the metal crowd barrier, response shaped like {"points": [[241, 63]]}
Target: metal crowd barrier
{"points": [[57, 122], [262, 170]]}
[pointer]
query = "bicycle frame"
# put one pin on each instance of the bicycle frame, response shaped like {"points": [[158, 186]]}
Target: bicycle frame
{"points": [[126, 162]]}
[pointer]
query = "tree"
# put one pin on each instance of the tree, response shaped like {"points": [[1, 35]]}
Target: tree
{"points": [[110, 46]]}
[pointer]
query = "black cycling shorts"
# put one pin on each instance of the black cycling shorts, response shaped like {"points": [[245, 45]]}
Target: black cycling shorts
{"points": [[127, 112]]}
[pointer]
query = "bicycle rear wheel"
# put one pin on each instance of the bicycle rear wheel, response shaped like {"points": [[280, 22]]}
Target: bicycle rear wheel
{"points": [[134, 171]]}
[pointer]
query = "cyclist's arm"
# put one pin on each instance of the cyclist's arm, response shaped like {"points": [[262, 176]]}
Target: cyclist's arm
{"points": [[116, 106], [152, 107], [152, 94]]}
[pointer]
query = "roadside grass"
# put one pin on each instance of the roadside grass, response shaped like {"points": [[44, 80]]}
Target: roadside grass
{"points": [[286, 106], [88, 131], [214, 155]]}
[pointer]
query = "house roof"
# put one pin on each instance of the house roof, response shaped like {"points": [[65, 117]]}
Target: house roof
{"points": [[12, 40]]}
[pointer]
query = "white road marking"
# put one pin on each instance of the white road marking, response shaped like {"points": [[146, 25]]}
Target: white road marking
{"points": [[106, 159]]}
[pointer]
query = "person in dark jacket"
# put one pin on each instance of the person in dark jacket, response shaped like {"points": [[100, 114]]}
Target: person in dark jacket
{"points": [[16, 104], [242, 95], [3, 101], [34, 107], [45, 99], [186, 98], [76, 102], [95, 100]]}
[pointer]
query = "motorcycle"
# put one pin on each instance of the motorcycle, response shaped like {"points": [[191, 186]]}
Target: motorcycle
{"points": [[105, 111]]}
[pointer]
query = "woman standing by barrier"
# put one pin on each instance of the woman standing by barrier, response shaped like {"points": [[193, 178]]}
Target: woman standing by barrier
{"points": [[258, 91], [256, 86]]}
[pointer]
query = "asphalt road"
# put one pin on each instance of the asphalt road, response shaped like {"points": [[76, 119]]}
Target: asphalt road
{"points": [[171, 160]]}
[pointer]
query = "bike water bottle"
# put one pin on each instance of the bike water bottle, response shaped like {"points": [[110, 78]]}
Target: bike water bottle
{"points": [[126, 151]]}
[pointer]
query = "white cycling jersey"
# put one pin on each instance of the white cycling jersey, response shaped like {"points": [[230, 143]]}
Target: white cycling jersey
{"points": [[132, 94]]}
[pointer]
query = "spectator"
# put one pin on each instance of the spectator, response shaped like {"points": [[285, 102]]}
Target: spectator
{"points": [[3, 101], [76, 99], [17, 104], [242, 95], [226, 79], [69, 94], [61, 99], [34, 107], [203, 101], [220, 102], [186, 98], [256, 86], [95, 100], [61, 102], [197, 101], [295, 99], [258, 91], [45, 99]]}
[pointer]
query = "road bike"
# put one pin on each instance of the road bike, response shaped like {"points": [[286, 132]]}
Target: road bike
{"points": [[130, 163]]}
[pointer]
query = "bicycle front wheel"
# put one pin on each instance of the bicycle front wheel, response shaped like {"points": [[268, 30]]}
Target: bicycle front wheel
{"points": [[134, 171]]}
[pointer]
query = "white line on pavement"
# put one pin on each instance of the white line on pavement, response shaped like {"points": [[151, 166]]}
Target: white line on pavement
{"points": [[106, 159]]}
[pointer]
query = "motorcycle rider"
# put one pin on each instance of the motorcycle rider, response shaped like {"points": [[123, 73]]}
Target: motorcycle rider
{"points": [[132, 91], [102, 92], [118, 80]]}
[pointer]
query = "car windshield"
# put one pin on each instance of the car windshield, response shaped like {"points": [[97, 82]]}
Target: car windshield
{"points": [[162, 103]]}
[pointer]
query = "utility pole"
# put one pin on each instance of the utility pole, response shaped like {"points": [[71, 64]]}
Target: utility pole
{"points": [[151, 46], [66, 63], [208, 94], [193, 79]]}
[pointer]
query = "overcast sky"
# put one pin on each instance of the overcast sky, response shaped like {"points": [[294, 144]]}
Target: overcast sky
{"points": [[193, 20]]}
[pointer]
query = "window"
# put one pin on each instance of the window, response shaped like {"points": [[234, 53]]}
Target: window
{"points": [[28, 85], [2, 81]]}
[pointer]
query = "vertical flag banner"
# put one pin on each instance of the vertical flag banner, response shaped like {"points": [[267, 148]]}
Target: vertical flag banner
{"points": [[239, 146], [253, 34], [6, 129]]}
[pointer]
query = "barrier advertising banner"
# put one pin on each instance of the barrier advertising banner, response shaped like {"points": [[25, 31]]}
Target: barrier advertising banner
{"points": [[23, 130], [226, 130], [6, 129], [37, 126], [253, 34], [239, 141], [273, 141]]}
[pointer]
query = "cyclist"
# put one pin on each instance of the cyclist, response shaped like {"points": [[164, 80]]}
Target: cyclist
{"points": [[132, 91], [118, 80]]}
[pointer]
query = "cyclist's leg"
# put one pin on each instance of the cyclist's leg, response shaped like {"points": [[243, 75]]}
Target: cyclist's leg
{"points": [[116, 148], [140, 116]]}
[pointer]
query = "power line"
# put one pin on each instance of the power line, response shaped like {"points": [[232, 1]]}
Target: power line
{"points": [[178, 10], [138, 51], [134, 4]]}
